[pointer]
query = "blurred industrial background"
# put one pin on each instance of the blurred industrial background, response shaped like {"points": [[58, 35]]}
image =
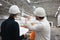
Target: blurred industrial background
{"points": [[28, 6]]}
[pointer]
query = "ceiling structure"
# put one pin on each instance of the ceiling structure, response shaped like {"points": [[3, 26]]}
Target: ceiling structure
{"points": [[50, 6]]}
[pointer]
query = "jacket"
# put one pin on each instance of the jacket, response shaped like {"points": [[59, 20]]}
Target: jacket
{"points": [[41, 28], [10, 30]]}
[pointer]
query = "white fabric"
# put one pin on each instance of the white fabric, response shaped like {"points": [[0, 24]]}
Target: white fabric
{"points": [[23, 31], [40, 12], [41, 28], [22, 21], [58, 19], [14, 9]]}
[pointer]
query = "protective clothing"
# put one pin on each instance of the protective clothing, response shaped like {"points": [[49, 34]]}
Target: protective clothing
{"points": [[31, 19], [10, 30], [40, 12], [58, 20], [41, 28], [14, 9]]}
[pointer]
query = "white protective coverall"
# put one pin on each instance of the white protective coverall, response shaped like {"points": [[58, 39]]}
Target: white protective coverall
{"points": [[41, 28]]}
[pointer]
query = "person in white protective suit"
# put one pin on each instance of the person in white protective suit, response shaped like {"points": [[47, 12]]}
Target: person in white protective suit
{"points": [[41, 26]]}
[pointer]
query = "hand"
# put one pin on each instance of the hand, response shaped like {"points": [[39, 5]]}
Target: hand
{"points": [[25, 26], [28, 17], [32, 24]]}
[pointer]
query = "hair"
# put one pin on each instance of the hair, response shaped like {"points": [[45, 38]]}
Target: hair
{"points": [[41, 17], [12, 15]]}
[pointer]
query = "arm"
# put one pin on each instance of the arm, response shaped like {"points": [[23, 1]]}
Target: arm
{"points": [[36, 27], [16, 32]]}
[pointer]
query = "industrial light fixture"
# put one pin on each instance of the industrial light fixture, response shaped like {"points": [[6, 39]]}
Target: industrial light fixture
{"points": [[0, 4], [57, 11], [34, 7], [28, 1], [59, 8]]}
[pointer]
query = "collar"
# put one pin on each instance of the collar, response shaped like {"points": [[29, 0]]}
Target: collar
{"points": [[11, 18]]}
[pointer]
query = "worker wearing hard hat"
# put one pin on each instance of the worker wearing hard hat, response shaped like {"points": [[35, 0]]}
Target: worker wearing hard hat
{"points": [[42, 27], [10, 28]]}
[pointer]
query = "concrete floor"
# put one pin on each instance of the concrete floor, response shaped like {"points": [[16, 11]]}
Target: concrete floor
{"points": [[55, 33]]}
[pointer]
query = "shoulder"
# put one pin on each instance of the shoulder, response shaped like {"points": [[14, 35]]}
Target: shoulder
{"points": [[15, 22], [4, 22]]}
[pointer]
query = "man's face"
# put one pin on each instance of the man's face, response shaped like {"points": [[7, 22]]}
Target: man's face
{"points": [[17, 15], [37, 18]]}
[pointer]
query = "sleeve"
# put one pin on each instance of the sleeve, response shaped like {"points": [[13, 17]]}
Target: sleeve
{"points": [[36, 27], [2, 29], [21, 37], [16, 30]]}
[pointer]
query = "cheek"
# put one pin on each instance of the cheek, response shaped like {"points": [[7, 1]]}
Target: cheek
{"points": [[37, 18]]}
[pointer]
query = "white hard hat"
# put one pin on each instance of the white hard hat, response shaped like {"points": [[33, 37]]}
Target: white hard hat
{"points": [[14, 9], [40, 12], [58, 8]]}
